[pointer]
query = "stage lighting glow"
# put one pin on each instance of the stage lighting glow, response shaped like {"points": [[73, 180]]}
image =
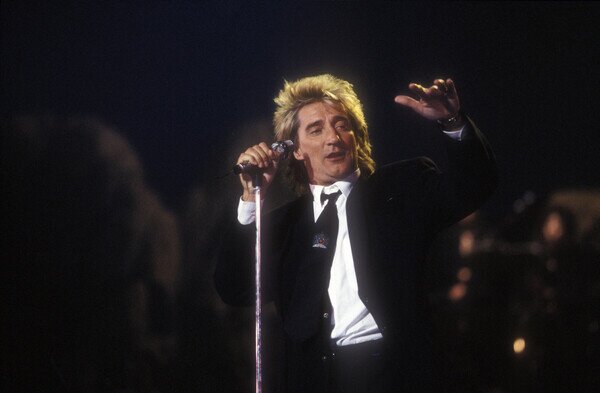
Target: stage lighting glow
{"points": [[457, 292], [464, 274], [519, 345]]}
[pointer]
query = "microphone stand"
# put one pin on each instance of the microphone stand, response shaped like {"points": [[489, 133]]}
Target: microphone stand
{"points": [[257, 183], [283, 148]]}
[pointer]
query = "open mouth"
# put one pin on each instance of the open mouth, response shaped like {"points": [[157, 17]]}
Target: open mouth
{"points": [[338, 155]]}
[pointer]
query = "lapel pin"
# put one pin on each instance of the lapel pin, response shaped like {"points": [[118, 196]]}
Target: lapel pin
{"points": [[320, 241]]}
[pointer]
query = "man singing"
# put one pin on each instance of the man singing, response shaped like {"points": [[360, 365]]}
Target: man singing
{"points": [[344, 262]]}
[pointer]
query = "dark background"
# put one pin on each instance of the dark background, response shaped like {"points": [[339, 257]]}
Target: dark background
{"points": [[180, 80], [112, 229]]}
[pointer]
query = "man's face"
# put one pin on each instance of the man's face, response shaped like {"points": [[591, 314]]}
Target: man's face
{"points": [[326, 143]]}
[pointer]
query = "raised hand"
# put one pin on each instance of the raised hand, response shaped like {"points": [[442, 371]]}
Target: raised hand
{"points": [[437, 102]]}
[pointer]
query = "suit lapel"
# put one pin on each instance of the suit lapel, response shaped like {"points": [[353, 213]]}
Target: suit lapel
{"points": [[300, 235], [301, 277], [356, 213]]}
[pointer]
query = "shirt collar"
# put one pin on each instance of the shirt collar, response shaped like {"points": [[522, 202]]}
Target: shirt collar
{"points": [[345, 186]]}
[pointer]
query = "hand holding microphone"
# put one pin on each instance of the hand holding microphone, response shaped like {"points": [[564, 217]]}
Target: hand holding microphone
{"points": [[280, 148], [260, 160]]}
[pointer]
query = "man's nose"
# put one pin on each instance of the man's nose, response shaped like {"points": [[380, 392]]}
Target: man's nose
{"points": [[332, 135]]}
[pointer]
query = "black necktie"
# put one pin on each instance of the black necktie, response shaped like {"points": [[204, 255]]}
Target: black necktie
{"points": [[326, 227]]}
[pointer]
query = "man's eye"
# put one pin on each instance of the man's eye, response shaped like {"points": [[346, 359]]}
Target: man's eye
{"points": [[314, 131], [341, 127]]}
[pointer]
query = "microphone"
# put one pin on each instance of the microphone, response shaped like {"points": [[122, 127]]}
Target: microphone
{"points": [[282, 147]]}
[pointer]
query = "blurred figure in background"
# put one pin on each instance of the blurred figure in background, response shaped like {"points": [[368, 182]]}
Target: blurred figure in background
{"points": [[567, 287], [519, 310], [89, 265]]}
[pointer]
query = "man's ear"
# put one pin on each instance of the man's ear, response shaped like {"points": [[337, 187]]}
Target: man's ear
{"points": [[298, 154]]}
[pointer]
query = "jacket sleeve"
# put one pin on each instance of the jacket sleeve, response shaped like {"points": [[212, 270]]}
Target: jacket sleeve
{"points": [[234, 273], [469, 180]]}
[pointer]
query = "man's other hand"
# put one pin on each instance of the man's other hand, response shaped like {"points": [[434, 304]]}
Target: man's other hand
{"points": [[437, 102]]}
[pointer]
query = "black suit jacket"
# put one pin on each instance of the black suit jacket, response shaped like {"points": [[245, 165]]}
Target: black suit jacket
{"points": [[392, 217]]}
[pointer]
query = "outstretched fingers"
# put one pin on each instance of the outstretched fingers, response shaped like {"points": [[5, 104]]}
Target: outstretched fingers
{"points": [[438, 101], [452, 94], [408, 101]]}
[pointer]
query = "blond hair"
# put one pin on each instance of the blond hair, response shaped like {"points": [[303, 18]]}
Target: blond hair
{"points": [[320, 88]]}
